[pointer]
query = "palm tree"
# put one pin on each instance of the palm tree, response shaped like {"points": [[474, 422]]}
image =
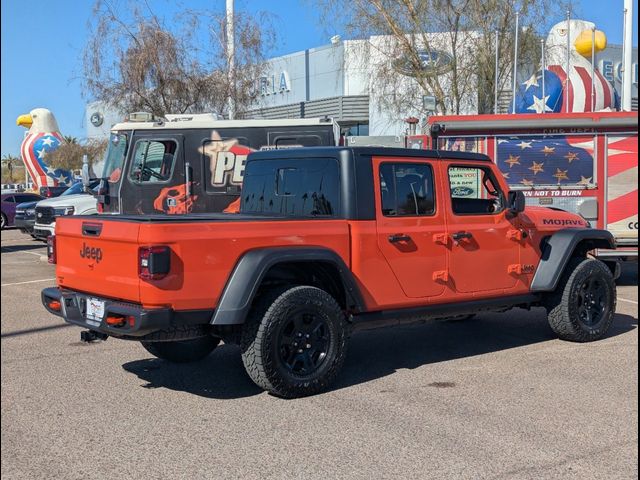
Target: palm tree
{"points": [[8, 162], [71, 140]]}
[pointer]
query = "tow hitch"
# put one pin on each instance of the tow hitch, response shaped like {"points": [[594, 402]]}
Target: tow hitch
{"points": [[89, 336]]}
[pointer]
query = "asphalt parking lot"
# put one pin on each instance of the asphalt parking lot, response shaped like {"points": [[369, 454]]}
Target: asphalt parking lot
{"points": [[497, 397]]}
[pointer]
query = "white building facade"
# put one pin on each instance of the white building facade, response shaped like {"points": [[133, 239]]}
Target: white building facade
{"points": [[339, 81]]}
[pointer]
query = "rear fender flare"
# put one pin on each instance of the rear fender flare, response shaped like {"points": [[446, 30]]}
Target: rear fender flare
{"points": [[244, 282], [559, 249]]}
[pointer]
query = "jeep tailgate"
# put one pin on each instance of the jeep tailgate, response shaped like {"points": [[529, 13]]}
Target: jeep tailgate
{"points": [[96, 255]]}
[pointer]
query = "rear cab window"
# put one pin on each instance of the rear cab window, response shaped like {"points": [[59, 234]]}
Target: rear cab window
{"points": [[292, 187]]}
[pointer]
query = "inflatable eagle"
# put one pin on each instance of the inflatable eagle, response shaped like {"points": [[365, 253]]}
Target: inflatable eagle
{"points": [[578, 88], [43, 137]]}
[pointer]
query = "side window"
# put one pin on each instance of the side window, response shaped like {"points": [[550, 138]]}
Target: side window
{"points": [[474, 191], [297, 141], [407, 189], [9, 199], [153, 160], [299, 187]]}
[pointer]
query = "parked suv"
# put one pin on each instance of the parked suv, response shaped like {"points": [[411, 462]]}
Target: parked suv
{"points": [[74, 201]]}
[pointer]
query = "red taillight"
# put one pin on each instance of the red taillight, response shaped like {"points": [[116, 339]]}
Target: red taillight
{"points": [[51, 249], [54, 305], [115, 320], [154, 262]]}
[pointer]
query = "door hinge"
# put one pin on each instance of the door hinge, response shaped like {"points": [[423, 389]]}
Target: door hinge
{"points": [[441, 238], [516, 235], [515, 268], [441, 276]]}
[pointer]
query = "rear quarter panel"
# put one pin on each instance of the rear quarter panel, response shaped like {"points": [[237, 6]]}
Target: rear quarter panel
{"points": [[205, 253]]}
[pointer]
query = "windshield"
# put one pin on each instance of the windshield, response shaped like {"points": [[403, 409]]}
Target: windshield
{"points": [[78, 188], [114, 161]]}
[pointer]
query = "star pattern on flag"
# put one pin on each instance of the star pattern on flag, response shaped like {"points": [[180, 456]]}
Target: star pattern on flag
{"points": [[547, 162], [513, 160], [532, 81], [537, 167], [539, 105], [571, 156], [547, 150], [43, 145], [540, 93], [585, 181], [524, 145], [561, 175]]}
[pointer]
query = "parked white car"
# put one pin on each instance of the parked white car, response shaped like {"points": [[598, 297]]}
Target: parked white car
{"points": [[73, 201]]}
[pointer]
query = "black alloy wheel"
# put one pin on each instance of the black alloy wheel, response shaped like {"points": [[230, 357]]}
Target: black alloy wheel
{"points": [[592, 301], [303, 342]]}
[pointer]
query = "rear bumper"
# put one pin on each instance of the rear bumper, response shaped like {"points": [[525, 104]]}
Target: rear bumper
{"points": [[139, 321]]}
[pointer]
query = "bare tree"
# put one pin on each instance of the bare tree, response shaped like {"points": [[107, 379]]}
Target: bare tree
{"points": [[134, 61], [68, 156], [441, 48]]}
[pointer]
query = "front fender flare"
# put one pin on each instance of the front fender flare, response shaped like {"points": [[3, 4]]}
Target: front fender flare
{"points": [[559, 249], [243, 284]]}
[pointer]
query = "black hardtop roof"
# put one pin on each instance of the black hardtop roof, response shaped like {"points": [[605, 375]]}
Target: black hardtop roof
{"points": [[366, 152]]}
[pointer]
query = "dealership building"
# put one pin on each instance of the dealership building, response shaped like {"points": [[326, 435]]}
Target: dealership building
{"points": [[335, 81]]}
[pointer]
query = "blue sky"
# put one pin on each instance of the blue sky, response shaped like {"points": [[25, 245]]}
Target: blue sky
{"points": [[42, 44]]}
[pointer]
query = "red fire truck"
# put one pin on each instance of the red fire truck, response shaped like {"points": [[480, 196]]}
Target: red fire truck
{"points": [[586, 163]]}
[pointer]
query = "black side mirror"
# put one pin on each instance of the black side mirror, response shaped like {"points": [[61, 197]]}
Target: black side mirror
{"points": [[517, 201]]}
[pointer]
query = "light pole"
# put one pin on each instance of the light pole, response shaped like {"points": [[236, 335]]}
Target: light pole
{"points": [[231, 59], [515, 64], [495, 86], [626, 60]]}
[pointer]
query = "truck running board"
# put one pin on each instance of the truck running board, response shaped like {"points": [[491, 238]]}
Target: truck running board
{"points": [[388, 318]]}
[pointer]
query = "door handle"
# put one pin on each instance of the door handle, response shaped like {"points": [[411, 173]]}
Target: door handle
{"points": [[460, 235], [399, 237]]}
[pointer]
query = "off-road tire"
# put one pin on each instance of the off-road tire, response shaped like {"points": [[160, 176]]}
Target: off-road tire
{"points": [[183, 351], [564, 303], [4, 221], [265, 328]]}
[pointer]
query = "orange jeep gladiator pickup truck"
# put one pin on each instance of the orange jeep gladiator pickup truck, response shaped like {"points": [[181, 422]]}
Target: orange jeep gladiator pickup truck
{"points": [[329, 240]]}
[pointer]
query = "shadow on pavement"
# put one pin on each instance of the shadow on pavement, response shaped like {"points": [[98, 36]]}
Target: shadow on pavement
{"points": [[220, 375], [628, 274], [20, 248], [373, 354], [30, 331]]}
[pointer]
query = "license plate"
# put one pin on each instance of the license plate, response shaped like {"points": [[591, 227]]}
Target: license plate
{"points": [[95, 309]]}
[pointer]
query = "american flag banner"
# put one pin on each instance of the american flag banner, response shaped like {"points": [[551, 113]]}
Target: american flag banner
{"points": [[34, 149], [547, 160], [622, 185]]}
